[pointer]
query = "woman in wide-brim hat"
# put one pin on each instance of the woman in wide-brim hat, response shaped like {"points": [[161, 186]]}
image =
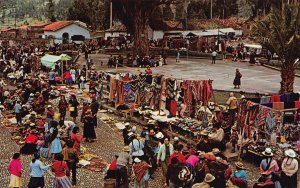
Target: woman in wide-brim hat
{"points": [[268, 166], [289, 169], [240, 177]]}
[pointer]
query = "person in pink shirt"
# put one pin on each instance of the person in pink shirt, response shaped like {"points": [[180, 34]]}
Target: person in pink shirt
{"points": [[192, 161], [15, 169]]}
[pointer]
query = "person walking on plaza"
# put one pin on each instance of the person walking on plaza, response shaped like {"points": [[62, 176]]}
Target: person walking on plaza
{"points": [[61, 172], [62, 107], [177, 55], [73, 107], [17, 109], [76, 138], [71, 158], [289, 169], [172, 176], [37, 170], [163, 156], [214, 57], [233, 108], [89, 127], [237, 79], [123, 161], [15, 169]]}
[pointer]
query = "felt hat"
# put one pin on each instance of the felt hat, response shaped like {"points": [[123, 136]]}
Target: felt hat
{"points": [[175, 138], [32, 124], [209, 178], [215, 150], [49, 106], [290, 153], [126, 149], [217, 109], [239, 165], [137, 160], [204, 132], [267, 152], [159, 135], [127, 124]]}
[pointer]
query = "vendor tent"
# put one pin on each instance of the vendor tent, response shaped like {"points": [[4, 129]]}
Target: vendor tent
{"points": [[50, 60]]}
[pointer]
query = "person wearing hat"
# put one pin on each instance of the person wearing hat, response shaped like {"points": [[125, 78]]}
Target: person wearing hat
{"points": [[240, 177], [37, 169], [123, 161], [268, 167], [207, 183], [176, 142], [50, 115], [30, 143], [125, 133], [289, 168], [140, 171], [177, 154], [203, 143]]}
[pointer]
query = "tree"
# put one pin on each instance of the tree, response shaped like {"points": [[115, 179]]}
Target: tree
{"points": [[135, 15], [279, 32], [51, 7]]}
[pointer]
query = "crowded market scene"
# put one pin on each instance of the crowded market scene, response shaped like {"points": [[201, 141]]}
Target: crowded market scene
{"points": [[216, 107]]}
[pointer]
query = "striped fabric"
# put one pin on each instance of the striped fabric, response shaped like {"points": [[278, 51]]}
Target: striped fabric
{"points": [[60, 182]]}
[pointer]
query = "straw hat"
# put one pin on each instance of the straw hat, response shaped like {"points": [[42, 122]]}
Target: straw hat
{"points": [[267, 152], [126, 149], [204, 132], [290, 153], [239, 165], [209, 178]]}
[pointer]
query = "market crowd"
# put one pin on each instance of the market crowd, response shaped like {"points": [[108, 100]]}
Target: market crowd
{"points": [[41, 109]]}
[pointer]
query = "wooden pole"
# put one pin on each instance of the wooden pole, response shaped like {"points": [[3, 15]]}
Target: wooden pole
{"points": [[243, 132]]}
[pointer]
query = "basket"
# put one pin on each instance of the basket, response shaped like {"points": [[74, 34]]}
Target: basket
{"points": [[71, 109]]}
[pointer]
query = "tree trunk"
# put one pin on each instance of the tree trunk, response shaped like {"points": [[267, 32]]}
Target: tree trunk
{"points": [[140, 33], [287, 77]]}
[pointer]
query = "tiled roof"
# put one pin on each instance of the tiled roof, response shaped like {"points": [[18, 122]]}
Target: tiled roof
{"points": [[6, 29], [39, 25], [57, 25], [23, 27]]}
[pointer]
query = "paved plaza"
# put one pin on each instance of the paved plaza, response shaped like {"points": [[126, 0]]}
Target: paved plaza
{"points": [[255, 78]]}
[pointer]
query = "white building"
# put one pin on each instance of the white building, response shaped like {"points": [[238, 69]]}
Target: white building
{"points": [[67, 31]]}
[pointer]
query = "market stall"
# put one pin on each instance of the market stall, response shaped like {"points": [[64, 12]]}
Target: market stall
{"points": [[160, 98], [269, 121]]}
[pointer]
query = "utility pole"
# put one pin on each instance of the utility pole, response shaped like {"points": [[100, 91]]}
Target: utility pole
{"points": [[211, 7], [111, 15]]}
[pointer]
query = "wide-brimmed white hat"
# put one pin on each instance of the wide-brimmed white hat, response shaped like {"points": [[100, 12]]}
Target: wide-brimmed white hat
{"points": [[175, 138], [159, 135], [49, 106], [290, 153], [137, 160], [209, 178], [127, 124], [267, 152]]}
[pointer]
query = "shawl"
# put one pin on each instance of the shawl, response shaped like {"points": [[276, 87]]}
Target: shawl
{"points": [[140, 170]]}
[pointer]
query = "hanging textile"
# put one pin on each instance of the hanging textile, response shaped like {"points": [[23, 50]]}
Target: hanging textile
{"points": [[261, 116], [120, 98], [113, 88], [270, 123]]}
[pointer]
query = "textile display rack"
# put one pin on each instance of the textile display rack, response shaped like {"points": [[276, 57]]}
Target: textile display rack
{"points": [[161, 98], [272, 121]]}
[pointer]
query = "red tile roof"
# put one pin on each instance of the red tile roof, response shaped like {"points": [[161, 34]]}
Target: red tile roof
{"points": [[57, 25], [23, 27], [39, 25]]}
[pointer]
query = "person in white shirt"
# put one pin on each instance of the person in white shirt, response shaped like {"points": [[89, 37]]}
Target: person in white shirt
{"points": [[214, 57], [289, 169]]}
